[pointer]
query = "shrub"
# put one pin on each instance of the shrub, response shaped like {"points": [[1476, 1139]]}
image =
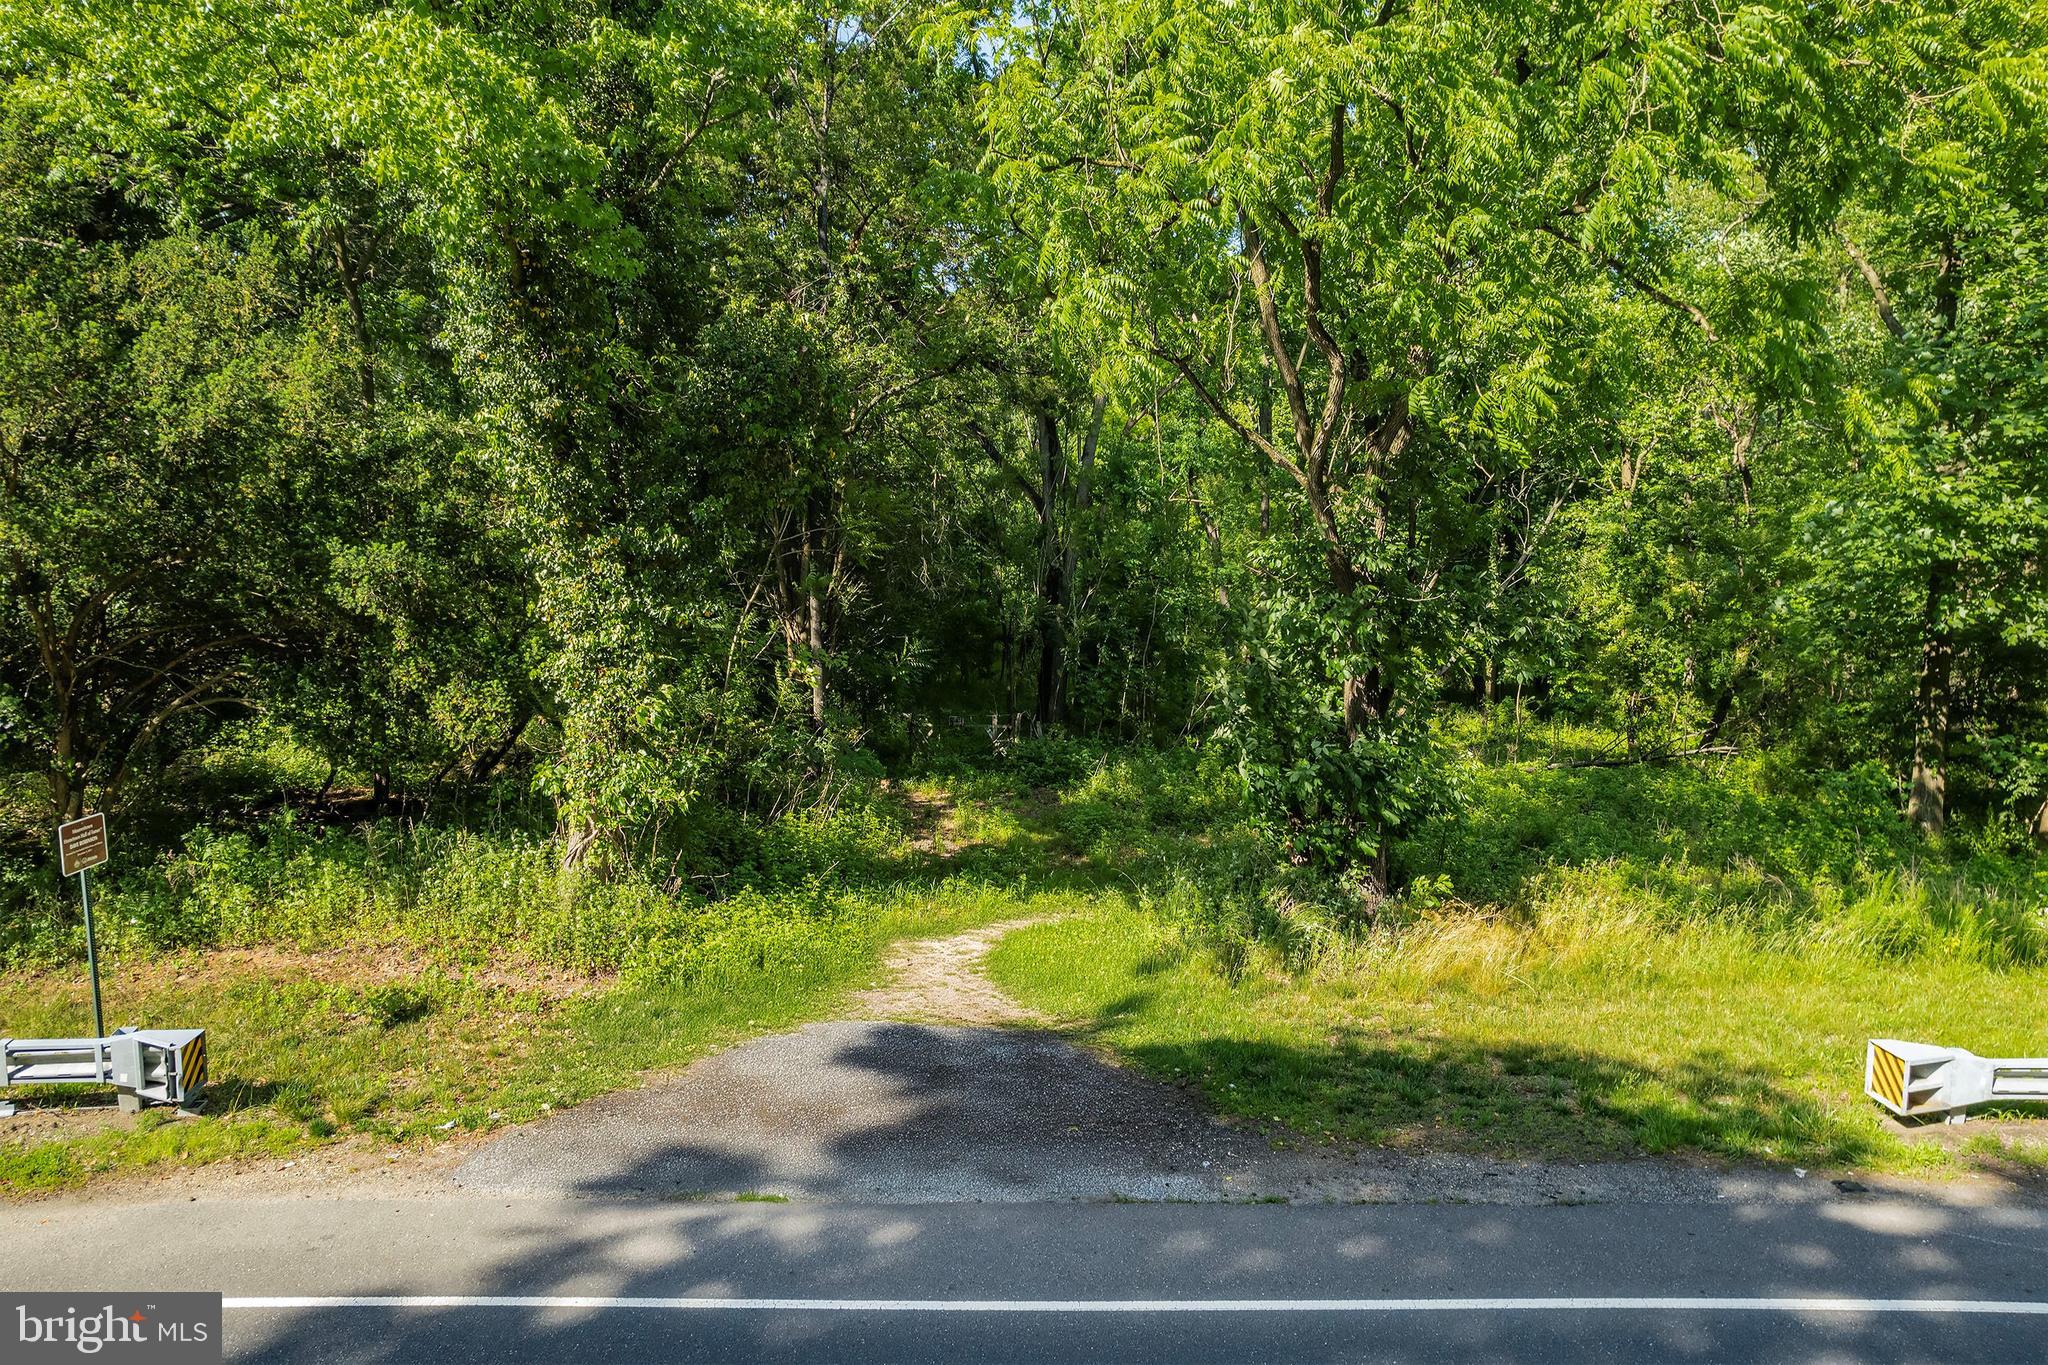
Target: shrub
{"points": [[1792, 861], [473, 893]]}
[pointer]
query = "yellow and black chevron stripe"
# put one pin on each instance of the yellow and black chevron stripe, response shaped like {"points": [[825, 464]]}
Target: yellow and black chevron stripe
{"points": [[192, 1066], [1888, 1077]]}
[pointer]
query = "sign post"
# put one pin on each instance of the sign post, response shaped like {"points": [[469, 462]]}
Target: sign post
{"points": [[82, 846]]}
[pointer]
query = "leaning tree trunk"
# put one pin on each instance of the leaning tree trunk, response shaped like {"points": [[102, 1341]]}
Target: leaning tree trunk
{"points": [[591, 844]]}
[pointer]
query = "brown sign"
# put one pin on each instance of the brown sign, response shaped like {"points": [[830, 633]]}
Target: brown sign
{"points": [[82, 843]]}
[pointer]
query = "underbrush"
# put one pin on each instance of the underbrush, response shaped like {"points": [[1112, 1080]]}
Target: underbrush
{"points": [[1583, 961], [1540, 853], [806, 883]]}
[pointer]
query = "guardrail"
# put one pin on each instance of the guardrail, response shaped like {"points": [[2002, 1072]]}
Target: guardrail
{"points": [[1915, 1079], [146, 1066]]}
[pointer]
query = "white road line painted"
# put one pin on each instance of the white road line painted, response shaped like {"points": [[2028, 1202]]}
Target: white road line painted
{"points": [[1557, 1305]]}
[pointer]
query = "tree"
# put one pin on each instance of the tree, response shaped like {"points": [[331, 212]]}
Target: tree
{"points": [[167, 415], [1398, 216], [1931, 547]]}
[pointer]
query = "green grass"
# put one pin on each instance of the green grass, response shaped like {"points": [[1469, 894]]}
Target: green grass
{"points": [[305, 1051], [300, 1058], [1587, 962], [405, 986], [1572, 1037]]}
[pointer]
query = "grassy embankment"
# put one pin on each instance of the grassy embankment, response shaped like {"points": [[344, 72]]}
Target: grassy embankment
{"points": [[398, 985], [1590, 962]]}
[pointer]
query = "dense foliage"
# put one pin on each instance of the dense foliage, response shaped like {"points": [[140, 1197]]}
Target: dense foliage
{"points": [[669, 417]]}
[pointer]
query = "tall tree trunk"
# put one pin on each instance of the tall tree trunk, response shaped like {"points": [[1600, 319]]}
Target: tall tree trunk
{"points": [[1927, 802], [1052, 583], [345, 269], [1212, 536], [1318, 424], [1009, 678], [816, 627], [1367, 699], [67, 798], [1077, 519], [1927, 805], [803, 596], [1078, 513], [818, 584], [1724, 700], [820, 506], [67, 783], [1265, 430]]}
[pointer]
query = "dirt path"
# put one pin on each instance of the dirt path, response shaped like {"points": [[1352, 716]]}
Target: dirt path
{"points": [[939, 981]]}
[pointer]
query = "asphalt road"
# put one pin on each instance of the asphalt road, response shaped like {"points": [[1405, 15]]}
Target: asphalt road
{"points": [[471, 1278]]}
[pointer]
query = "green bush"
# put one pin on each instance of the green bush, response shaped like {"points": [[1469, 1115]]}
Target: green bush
{"points": [[1789, 856], [804, 883], [1149, 800]]}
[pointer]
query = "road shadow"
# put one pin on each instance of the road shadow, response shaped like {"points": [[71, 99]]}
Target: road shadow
{"points": [[886, 1135], [898, 1113], [1559, 1103], [884, 1112], [750, 1252]]}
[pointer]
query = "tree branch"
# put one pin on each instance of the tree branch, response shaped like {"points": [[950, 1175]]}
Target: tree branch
{"points": [[1877, 289], [1269, 324], [996, 457], [1629, 277], [1230, 419]]}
